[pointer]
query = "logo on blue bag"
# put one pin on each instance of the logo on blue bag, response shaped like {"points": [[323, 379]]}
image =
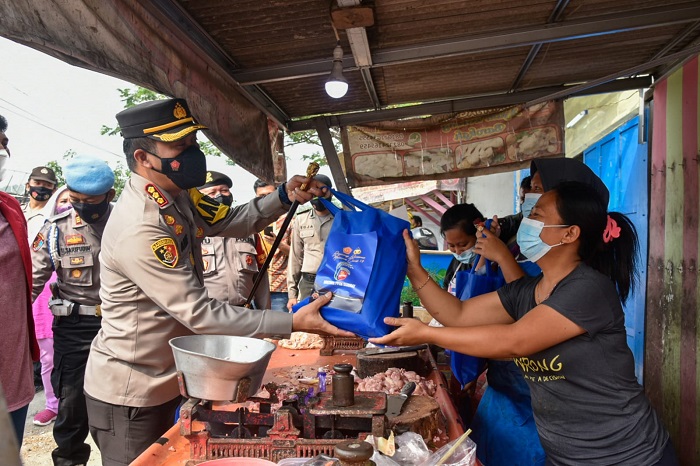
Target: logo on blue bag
{"points": [[342, 271]]}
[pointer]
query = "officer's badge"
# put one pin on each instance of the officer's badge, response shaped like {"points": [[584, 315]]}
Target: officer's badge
{"points": [[249, 260], [74, 239], [169, 219], [165, 251], [79, 260], [39, 242], [179, 229], [179, 111], [76, 273], [156, 194]]}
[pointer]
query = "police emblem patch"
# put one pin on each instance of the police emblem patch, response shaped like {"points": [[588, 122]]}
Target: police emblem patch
{"points": [[74, 239], [165, 251], [39, 242], [76, 273]]}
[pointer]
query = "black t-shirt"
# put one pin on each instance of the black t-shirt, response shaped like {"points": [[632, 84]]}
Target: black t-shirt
{"points": [[588, 406]]}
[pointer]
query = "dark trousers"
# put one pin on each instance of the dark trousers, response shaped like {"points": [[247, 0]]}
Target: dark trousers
{"points": [[72, 338], [306, 285], [19, 417], [122, 433]]}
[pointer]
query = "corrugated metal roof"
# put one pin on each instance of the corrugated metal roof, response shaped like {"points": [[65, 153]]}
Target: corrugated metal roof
{"points": [[283, 49]]}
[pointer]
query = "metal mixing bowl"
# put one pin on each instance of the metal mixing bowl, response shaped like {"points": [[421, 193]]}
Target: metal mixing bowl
{"points": [[213, 365]]}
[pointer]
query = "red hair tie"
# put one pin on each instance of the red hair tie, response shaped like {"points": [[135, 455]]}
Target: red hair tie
{"points": [[612, 231]]}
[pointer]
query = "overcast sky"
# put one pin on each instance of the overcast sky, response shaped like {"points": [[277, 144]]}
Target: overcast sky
{"points": [[53, 107]]}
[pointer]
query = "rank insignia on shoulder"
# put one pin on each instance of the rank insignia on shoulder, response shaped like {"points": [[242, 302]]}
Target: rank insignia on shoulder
{"points": [[78, 220], [179, 229], [165, 251], [200, 232], [38, 243], [74, 239], [169, 219], [157, 195]]}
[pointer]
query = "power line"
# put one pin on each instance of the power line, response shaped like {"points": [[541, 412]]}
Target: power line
{"points": [[56, 130]]}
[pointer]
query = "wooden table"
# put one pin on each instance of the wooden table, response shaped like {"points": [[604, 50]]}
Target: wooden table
{"points": [[286, 365]]}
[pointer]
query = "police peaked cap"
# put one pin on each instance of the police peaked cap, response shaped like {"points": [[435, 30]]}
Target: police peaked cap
{"points": [[163, 120], [88, 175], [215, 179], [44, 174]]}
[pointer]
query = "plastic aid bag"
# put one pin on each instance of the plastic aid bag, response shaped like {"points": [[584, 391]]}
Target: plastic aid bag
{"points": [[410, 450], [463, 455]]}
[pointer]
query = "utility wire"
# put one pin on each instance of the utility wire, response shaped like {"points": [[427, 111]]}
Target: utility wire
{"points": [[58, 131]]}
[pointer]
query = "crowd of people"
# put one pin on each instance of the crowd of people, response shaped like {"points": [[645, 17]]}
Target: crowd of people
{"points": [[108, 284], [94, 290]]}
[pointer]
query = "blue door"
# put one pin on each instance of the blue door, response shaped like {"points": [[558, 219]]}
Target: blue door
{"points": [[621, 162]]}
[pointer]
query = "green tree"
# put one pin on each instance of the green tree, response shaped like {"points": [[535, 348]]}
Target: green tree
{"points": [[311, 137], [132, 97]]}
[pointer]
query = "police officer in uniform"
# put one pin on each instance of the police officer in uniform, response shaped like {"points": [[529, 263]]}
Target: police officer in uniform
{"points": [[231, 264], [152, 278], [69, 243], [309, 233]]}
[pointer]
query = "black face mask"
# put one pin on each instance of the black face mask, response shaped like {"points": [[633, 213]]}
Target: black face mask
{"points": [[318, 205], [225, 200], [40, 193], [187, 170], [91, 213]]}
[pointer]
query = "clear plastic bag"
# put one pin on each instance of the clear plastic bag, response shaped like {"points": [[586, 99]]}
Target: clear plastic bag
{"points": [[383, 460], [322, 460], [463, 455], [411, 449]]}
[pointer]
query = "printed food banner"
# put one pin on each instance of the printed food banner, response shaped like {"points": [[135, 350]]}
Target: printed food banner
{"points": [[455, 146]]}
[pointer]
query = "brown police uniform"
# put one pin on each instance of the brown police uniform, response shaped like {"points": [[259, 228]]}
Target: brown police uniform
{"points": [[71, 247], [230, 268], [153, 290], [309, 234]]}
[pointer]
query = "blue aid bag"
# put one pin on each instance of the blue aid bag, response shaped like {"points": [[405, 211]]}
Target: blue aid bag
{"points": [[469, 284], [363, 265]]}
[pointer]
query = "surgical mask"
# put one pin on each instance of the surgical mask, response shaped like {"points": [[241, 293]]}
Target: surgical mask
{"points": [[4, 157], [40, 193], [531, 245], [465, 257], [225, 200], [91, 213], [187, 170], [60, 208], [529, 202]]}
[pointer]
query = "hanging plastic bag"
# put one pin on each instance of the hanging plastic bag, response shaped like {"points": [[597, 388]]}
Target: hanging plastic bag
{"points": [[363, 265], [459, 452], [469, 284]]}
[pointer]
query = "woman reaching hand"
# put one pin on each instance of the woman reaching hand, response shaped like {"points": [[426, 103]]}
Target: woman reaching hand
{"points": [[564, 329]]}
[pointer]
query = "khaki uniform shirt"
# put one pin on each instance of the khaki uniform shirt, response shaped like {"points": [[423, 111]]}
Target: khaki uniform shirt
{"points": [[70, 246], [230, 268], [309, 234], [153, 289]]}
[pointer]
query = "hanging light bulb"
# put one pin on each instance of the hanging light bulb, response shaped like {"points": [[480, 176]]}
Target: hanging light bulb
{"points": [[336, 84]]}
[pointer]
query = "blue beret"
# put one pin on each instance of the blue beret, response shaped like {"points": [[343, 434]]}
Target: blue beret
{"points": [[87, 175]]}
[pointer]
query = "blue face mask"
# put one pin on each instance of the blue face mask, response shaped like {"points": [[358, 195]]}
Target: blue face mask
{"points": [[529, 202], [466, 257], [531, 245]]}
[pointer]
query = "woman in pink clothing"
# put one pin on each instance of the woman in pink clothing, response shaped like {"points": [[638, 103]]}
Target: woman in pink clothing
{"points": [[43, 320]]}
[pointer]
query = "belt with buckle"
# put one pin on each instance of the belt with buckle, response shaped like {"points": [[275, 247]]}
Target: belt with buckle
{"points": [[90, 310], [63, 308]]}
